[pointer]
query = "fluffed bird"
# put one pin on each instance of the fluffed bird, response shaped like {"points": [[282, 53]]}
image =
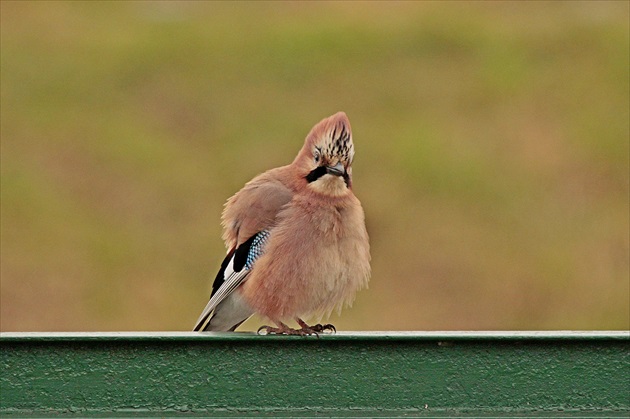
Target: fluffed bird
{"points": [[296, 239]]}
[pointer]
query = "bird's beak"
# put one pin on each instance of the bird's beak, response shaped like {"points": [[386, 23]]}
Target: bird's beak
{"points": [[336, 170]]}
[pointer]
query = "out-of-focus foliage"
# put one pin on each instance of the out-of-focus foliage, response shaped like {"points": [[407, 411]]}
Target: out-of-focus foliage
{"points": [[492, 155]]}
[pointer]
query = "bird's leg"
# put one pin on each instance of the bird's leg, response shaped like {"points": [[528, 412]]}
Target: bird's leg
{"points": [[283, 329], [318, 328]]}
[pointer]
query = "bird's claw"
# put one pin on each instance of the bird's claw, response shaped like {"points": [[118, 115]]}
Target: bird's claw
{"points": [[323, 328]]}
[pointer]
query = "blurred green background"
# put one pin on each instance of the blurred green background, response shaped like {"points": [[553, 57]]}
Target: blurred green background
{"points": [[492, 148]]}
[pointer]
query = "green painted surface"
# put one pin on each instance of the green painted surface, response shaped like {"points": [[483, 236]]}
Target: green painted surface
{"points": [[378, 374]]}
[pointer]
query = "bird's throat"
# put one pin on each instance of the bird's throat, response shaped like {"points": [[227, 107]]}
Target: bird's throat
{"points": [[330, 185]]}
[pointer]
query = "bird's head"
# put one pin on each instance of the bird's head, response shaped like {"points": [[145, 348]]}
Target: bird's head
{"points": [[326, 157]]}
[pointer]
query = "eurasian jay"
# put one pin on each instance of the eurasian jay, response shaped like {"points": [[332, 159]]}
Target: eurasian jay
{"points": [[296, 239]]}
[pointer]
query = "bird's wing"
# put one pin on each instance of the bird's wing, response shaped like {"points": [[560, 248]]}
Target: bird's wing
{"points": [[255, 207], [235, 267], [247, 219]]}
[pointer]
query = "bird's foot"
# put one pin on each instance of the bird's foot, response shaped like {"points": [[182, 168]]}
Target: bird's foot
{"points": [[324, 328], [316, 329], [305, 329], [282, 330]]}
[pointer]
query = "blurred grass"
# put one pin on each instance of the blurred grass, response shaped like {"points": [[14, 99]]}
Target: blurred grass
{"points": [[492, 155]]}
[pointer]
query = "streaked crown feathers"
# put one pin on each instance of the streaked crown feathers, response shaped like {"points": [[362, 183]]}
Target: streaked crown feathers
{"points": [[330, 140]]}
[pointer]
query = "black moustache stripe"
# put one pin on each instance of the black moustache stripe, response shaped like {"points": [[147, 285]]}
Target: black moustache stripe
{"points": [[321, 171], [316, 174]]}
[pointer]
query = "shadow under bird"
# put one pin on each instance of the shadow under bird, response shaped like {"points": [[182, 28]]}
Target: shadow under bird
{"points": [[296, 239]]}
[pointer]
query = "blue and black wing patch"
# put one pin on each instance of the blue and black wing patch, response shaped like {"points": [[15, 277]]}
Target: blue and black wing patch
{"points": [[234, 268]]}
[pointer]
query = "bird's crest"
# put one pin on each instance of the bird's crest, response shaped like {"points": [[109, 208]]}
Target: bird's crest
{"points": [[329, 141]]}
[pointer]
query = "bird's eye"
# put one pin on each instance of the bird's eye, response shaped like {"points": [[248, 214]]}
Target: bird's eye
{"points": [[316, 156]]}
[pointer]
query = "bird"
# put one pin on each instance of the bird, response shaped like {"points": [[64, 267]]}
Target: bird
{"points": [[297, 242]]}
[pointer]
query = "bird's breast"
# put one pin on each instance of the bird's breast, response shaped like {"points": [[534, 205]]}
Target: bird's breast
{"points": [[318, 257]]}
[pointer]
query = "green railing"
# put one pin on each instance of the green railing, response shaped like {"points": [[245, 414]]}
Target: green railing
{"points": [[347, 374]]}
